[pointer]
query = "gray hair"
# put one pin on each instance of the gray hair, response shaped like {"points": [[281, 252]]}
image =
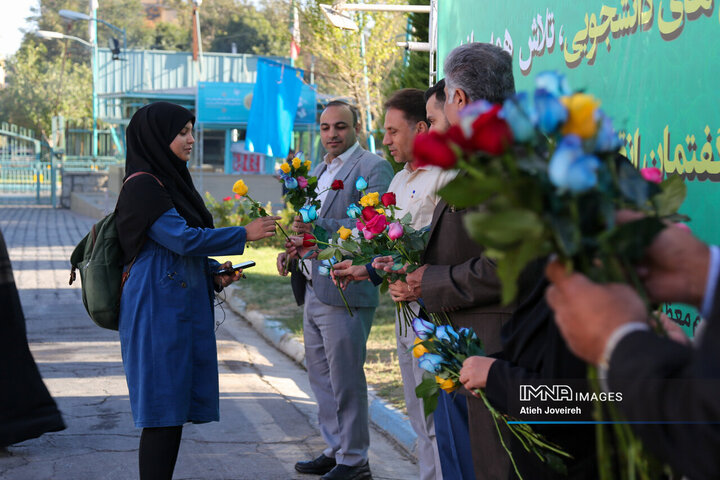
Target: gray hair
{"points": [[481, 70]]}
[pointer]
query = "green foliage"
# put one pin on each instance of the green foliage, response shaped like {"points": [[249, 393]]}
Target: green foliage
{"points": [[414, 69], [338, 63], [233, 212]]}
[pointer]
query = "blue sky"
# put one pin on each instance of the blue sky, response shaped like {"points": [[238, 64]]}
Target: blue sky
{"points": [[12, 21]]}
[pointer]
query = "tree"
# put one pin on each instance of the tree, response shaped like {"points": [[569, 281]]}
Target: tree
{"points": [[338, 62], [414, 70], [37, 88]]}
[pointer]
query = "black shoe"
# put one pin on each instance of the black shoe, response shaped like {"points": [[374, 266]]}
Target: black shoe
{"points": [[346, 472], [320, 466]]}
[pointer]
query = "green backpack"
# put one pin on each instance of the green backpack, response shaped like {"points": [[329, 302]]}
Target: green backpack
{"points": [[99, 259]]}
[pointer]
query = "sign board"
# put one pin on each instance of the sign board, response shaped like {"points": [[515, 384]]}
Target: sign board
{"points": [[246, 162]]}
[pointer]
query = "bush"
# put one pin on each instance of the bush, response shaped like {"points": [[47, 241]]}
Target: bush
{"points": [[234, 211]]}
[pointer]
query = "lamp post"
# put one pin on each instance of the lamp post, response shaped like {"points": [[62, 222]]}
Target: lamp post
{"points": [[336, 15], [72, 15]]}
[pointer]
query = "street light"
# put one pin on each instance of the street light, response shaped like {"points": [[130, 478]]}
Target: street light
{"points": [[60, 36], [72, 15], [336, 16]]}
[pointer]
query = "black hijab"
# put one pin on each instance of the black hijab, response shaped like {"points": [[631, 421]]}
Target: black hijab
{"points": [[142, 200]]}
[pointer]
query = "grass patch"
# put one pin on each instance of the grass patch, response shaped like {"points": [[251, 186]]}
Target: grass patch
{"points": [[267, 292]]}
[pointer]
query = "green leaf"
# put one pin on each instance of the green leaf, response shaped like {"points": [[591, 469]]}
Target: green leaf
{"points": [[350, 245], [555, 462], [632, 185], [466, 191], [326, 254], [320, 233], [631, 239], [566, 234], [512, 263], [671, 197], [384, 286], [429, 391], [503, 229]]}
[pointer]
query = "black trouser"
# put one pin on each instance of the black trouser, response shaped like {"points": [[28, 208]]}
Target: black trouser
{"points": [[158, 452]]}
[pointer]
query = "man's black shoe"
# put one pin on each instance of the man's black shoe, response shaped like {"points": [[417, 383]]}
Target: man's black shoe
{"points": [[320, 466], [346, 472]]}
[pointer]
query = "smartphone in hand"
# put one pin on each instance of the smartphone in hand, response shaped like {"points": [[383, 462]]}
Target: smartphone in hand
{"points": [[235, 268]]}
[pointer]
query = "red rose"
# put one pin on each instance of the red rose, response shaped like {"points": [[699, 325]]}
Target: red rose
{"points": [[308, 240], [388, 199], [337, 185], [227, 199], [377, 224], [369, 213], [456, 135], [490, 133], [433, 149]]}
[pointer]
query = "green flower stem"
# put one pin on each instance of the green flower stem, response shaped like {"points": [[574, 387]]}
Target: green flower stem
{"points": [[342, 294]]}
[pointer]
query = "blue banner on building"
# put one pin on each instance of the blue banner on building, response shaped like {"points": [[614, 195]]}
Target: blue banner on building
{"points": [[274, 105]]}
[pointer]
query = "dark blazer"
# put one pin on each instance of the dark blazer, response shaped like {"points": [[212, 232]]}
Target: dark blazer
{"points": [[663, 380], [378, 173], [533, 349], [462, 282]]}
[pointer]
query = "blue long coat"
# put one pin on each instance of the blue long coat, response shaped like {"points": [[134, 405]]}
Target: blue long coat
{"points": [[166, 327]]}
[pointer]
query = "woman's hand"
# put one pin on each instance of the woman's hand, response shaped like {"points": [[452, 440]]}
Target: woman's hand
{"points": [[263, 227], [225, 279]]}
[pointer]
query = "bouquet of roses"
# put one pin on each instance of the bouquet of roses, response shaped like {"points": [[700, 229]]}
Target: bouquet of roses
{"points": [[301, 188], [379, 231], [441, 352], [545, 174]]}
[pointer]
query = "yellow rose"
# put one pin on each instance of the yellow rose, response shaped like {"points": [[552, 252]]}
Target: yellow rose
{"points": [[307, 164], [381, 211], [418, 349], [285, 167], [240, 188], [296, 163], [581, 115], [344, 233], [446, 384], [370, 200]]}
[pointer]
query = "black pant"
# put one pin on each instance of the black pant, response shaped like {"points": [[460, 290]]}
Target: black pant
{"points": [[158, 452]]}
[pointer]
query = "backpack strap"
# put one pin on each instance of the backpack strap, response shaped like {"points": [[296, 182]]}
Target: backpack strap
{"points": [[126, 273]]}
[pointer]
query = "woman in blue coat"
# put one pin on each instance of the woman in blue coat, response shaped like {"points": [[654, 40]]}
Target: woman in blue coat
{"points": [[166, 310]]}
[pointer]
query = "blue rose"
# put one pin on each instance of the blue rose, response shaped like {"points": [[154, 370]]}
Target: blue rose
{"points": [[571, 168], [468, 333], [550, 112], [422, 328], [360, 184], [431, 362], [469, 114], [519, 112], [446, 333], [308, 213], [329, 262], [291, 183], [606, 138], [353, 211], [323, 270], [553, 82]]}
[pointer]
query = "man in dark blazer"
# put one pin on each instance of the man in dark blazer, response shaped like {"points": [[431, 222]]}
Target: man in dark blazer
{"points": [[458, 280], [668, 384], [335, 342]]}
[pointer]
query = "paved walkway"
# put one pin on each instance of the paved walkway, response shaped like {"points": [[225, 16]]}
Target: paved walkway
{"points": [[267, 409]]}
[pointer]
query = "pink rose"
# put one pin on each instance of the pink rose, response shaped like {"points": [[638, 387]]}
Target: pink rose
{"points": [[302, 182], [683, 226], [395, 230], [360, 226], [368, 234], [651, 174], [377, 224]]}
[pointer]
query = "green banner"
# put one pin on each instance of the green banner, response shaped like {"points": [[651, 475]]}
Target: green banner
{"points": [[650, 62]]}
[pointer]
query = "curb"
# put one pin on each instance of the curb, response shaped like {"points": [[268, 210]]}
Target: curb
{"points": [[384, 416]]}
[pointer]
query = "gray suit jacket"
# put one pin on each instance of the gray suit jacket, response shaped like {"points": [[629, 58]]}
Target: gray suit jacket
{"points": [[378, 173]]}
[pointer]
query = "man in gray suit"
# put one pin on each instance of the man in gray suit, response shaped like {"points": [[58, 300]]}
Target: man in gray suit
{"points": [[335, 347]]}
